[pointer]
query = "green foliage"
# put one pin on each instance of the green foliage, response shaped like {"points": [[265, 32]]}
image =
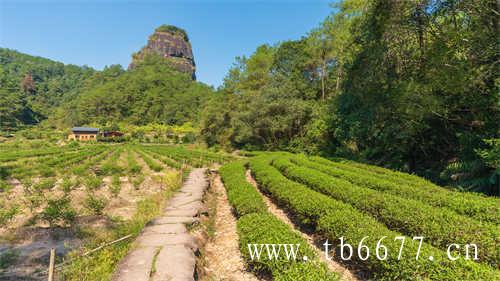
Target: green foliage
{"points": [[409, 85], [173, 29], [67, 185], [58, 212], [110, 166], [403, 185], [241, 194], [132, 166], [256, 226], [115, 185], [334, 219], [152, 92], [95, 204], [45, 184], [268, 101], [411, 217], [7, 213], [31, 87], [93, 182], [152, 164], [4, 186], [413, 99], [480, 173]]}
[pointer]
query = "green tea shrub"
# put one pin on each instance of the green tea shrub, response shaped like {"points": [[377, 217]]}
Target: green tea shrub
{"points": [[93, 182], [115, 185], [441, 226], [241, 194], [334, 219], [58, 212], [7, 213], [473, 205], [137, 181], [45, 184], [95, 204]]}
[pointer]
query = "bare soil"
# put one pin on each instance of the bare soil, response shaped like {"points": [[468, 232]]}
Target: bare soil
{"points": [[222, 253], [28, 244]]}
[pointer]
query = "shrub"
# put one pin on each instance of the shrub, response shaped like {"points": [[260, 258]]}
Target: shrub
{"points": [[241, 194], [411, 187], [66, 185], [150, 162], [7, 213], [441, 226], [34, 200], [8, 257], [115, 185], [4, 186], [93, 182], [58, 211], [95, 204], [258, 228], [45, 184], [137, 181], [334, 219], [132, 166], [46, 171]]}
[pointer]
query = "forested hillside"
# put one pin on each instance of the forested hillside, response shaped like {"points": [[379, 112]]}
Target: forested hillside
{"points": [[411, 85], [151, 92], [30, 87]]}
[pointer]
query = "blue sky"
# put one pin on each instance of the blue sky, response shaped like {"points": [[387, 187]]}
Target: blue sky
{"points": [[99, 33]]}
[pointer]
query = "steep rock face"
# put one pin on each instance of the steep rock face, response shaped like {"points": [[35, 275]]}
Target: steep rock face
{"points": [[171, 43]]}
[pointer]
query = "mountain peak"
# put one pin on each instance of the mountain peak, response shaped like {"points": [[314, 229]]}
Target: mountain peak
{"points": [[171, 43]]}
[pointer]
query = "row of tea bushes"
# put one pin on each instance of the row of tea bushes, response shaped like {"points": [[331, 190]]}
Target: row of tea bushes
{"points": [[334, 219], [440, 226], [257, 226], [475, 206]]}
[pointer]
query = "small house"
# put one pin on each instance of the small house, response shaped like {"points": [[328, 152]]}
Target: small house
{"points": [[111, 134], [83, 134]]}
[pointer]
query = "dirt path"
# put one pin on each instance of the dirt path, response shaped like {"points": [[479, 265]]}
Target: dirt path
{"points": [[344, 272], [222, 252], [165, 250]]}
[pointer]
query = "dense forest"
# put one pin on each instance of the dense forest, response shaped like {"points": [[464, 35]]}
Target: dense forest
{"points": [[410, 85], [30, 87]]}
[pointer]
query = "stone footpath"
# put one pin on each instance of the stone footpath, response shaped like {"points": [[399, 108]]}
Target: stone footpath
{"points": [[165, 250]]}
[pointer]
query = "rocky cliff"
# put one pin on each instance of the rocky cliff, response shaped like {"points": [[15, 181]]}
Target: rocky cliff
{"points": [[171, 43]]}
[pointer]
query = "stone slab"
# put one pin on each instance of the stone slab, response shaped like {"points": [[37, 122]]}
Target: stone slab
{"points": [[165, 229], [136, 266], [181, 213], [159, 240], [173, 220], [176, 263], [195, 205]]}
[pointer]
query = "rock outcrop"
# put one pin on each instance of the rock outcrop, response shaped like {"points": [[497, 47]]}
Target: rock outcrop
{"points": [[171, 43]]}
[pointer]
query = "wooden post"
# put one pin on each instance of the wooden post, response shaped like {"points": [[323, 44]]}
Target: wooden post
{"points": [[51, 264]]}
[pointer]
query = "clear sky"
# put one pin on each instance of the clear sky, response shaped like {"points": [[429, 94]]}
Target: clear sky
{"points": [[99, 33]]}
